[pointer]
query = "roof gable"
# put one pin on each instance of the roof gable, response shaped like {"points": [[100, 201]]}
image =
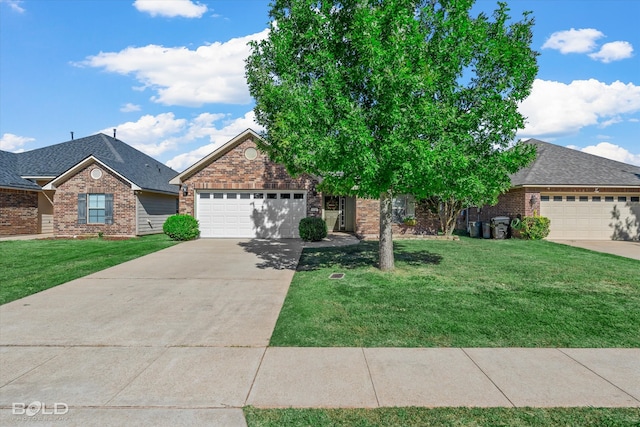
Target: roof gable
{"points": [[9, 177], [136, 167], [555, 166], [80, 166], [215, 155]]}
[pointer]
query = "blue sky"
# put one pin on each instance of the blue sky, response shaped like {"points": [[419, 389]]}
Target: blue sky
{"points": [[169, 74]]}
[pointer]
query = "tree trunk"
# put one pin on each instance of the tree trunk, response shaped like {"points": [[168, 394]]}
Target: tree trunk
{"points": [[386, 232]]}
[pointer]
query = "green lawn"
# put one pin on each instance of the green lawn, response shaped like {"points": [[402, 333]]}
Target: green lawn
{"points": [[511, 417], [30, 266], [466, 293]]}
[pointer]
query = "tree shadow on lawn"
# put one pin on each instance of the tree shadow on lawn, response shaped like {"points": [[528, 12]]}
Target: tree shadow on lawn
{"points": [[365, 254]]}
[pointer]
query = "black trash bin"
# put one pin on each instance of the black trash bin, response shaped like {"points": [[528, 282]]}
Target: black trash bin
{"points": [[500, 225]]}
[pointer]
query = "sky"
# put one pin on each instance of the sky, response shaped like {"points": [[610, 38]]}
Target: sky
{"points": [[169, 74]]}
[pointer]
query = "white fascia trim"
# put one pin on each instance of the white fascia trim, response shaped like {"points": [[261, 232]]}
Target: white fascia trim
{"points": [[84, 163], [212, 156], [37, 177]]}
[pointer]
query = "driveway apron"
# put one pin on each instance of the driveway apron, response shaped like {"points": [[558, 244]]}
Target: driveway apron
{"points": [[185, 327]]}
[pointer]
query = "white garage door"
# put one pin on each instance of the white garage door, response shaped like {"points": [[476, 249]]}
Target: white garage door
{"points": [[250, 214], [592, 217]]}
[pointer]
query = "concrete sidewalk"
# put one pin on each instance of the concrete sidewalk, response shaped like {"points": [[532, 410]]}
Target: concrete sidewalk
{"points": [[190, 385], [180, 337]]}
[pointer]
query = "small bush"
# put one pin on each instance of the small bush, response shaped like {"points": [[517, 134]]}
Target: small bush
{"points": [[181, 227], [312, 228], [532, 227]]}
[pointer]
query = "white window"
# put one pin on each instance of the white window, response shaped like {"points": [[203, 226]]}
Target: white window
{"points": [[96, 208]]}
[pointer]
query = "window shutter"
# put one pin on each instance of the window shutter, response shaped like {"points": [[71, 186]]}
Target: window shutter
{"points": [[82, 208], [108, 208]]}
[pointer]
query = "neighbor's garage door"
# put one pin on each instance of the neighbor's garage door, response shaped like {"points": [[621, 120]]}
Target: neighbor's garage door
{"points": [[250, 214], [595, 217]]}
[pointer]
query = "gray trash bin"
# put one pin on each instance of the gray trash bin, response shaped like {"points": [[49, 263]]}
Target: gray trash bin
{"points": [[500, 225], [486, 230], [474, 229]]}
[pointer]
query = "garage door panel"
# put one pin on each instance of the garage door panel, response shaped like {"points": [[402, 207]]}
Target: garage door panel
{"points": [[248, 215], [598, 217]]}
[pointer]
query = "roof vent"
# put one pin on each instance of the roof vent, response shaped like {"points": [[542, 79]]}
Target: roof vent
{"points": [[72, 135], [114, 133]]}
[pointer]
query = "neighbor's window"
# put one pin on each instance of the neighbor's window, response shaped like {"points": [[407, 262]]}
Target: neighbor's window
{"points": [[403, 206], [95, 208]]}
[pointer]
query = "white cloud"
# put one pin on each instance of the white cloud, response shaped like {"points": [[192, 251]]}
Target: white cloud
{"points": [[611, 151], [573, 41], [613, 51], [129, 108], [14, 143], [555, 108], [14, 5], [171, 8], [152, 135], [155, 135], [217, 137], [209, 74]]}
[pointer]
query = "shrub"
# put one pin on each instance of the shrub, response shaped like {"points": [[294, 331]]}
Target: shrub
{"points": [[312, 228], [532, 227], [181, 227]]}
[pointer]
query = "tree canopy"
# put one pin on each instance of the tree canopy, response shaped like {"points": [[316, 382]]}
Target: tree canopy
{"points": [[387, 97]]}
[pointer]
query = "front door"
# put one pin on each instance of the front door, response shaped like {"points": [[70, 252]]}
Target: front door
{"points": [[338, 213]]}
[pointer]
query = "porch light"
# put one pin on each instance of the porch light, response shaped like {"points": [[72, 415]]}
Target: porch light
{"points": [[185, 190], [533, 199]]}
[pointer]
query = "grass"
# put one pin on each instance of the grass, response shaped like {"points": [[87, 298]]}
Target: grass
{"points": [[466, 293], [30, 266], [512, 417]]}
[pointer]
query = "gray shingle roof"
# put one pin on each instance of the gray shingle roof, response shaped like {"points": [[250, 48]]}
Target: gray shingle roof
{"points": [[556, 165], [9, 176], [139, 168]]}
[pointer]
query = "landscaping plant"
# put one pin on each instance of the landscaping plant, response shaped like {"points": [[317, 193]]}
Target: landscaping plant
{"points": [[312, 229], [181, 227], [532, 227]]}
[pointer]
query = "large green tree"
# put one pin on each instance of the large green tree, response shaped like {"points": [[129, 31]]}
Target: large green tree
{"points": [[388, 97]]}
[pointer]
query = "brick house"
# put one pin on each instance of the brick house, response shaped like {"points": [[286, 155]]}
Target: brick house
{"points": [[236, 191], [586, 197], [86, 186]]}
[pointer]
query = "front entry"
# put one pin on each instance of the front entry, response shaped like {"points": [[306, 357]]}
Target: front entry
{"points": [[339, 212]]}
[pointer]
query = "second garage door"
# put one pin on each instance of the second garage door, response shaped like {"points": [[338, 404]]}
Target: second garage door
{"points": [[250, 214], [591, 217]]}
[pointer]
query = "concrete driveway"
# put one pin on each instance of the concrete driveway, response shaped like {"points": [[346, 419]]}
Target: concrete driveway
{"points": [[186, 326], [614, 247]]}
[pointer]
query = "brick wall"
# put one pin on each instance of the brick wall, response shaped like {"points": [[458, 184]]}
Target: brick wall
{"points": [[368, 218], [65, 218], [368, 221], [509, 204], [18, 212], [234, 171]]}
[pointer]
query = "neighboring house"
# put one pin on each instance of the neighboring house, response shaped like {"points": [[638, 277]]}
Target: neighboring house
{"points": [[85, 186], [585, 196], [236, 191]]}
